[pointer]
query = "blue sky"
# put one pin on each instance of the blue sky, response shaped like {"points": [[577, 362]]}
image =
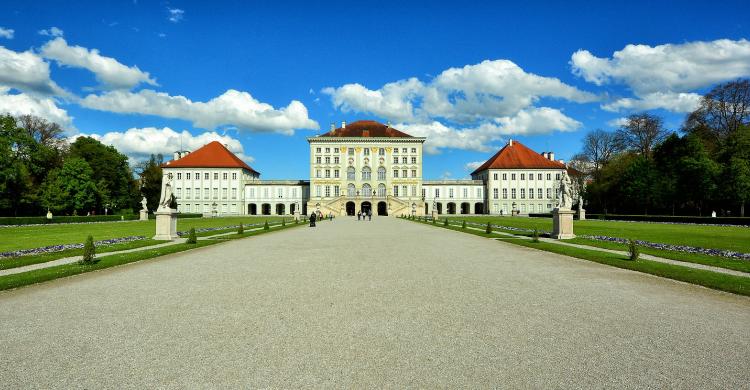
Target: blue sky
{"points": [[145, 76]]}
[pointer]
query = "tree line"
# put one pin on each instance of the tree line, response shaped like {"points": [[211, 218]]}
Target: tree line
{"points": [[642, 168], [41, 170]]}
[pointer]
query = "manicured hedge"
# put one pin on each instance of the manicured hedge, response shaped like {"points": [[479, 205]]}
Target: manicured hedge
{"points": [[64, 219], [540, 215], [180, 215], [674, 219]]}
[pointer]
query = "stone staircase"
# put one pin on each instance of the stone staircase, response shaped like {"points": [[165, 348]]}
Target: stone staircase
{"points": [[398, 206]]}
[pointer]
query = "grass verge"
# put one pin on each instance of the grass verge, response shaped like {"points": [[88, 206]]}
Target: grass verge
{"points": [[729, 283], [46, 274]]}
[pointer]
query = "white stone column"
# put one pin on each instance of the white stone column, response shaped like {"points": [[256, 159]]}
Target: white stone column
{"points": [[166, 224]]}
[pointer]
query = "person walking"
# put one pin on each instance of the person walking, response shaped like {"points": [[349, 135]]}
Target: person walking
{"points": [[359, 214], [313, 216], [369, 215]]}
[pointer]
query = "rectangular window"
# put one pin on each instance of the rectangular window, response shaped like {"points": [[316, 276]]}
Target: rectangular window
{"points": [[206, 194], [406, 173], [187, 176], [531, 193], [395, 160], [395, 150], [549, 193], [424, 193], [539, 195], [197, 193], [328, 173], [336, 173], [557, 176], [179, 176], [265, 193], [437, 192], [336, 160], [450, 193], [513, 193], [216, 175], [328, 191], [512, 176], [216, 193], [367, 151], [351, 151], [479, 192], [280, 192], [539, 177], [328, 160], [549, 176], [505, 176], [381, 173], [413, 160], [317, 173], [223, 193], [395, 173], [336, 191], [494, 193], [317, 191], [496, 208], [187, 193], [523, 193], [413, 173], [404, 189], [197, 177], [531, 208], [381, 152], [205, 176], [494, 176], [294, 192], [178, 194], [224, 176], [328, 150], [403, 150], [523, 176], [505, 193], [466, 193], [317, 160], [413, 190], [234, 193], [317, 150], [404, 160], [395, 190]]}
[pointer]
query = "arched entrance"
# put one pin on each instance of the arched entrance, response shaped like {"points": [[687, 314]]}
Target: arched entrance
{"points": [[265, 209], [350, 208], [252, 209], [292, 208], [382, 208], [439, 208], [478, 208], [426, 209], [465, 208], [451, 208], [280, 207], [366, 207]]}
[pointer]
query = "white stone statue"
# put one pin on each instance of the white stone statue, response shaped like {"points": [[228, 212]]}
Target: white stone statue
{"points": [[144, 204], [166, 191], [564, 198]]}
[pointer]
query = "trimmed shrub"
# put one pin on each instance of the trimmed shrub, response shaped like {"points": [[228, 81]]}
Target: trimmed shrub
{"points": [[265, 226], [241, 229], [674, 219], [445, 222], [192, 239], [89, 251], [296, 221], [283, 222], [434, 221], [463, 224], [488, 228], [633, 251], [535, 235]]}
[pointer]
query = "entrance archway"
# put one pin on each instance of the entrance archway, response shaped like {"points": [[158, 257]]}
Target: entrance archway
{"points": [[465, 208], [265, 209], [451, 208], [426, 209], [439, 208], [280, 208], [292, 208], [382, 208], [350, 208], [252, 209], [478, 208], [366, 207]]}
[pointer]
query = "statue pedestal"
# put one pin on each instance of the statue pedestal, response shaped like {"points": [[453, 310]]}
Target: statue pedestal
{"points": [[144, 215], [562, 224], [166, 224], [581, 214]]}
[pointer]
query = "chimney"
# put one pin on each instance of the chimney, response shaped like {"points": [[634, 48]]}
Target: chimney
{"points": [[343, 125], [510, 142], [551, 156], [176, 155], [333, 126]]}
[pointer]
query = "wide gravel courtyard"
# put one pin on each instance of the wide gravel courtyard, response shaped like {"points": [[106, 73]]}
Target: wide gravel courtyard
{"points": [[386, 303]]}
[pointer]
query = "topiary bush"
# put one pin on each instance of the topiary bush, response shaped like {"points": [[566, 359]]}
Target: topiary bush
{"points": [[192, 238], [633, 251], [488, 228], [89, 251], [265, 226], [241, 229], [535, 235], [283, 222], [445, 222]]}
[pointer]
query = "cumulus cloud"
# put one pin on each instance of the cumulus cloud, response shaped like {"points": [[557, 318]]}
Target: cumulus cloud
{"points": [[6, 33], [175, 14], [531, 121], [108, 71], [53, 32], [661, 76], [473, 165], [45, 107], [474, 92], [232, 108], [617, 122], [26, 72], [140, 143]]}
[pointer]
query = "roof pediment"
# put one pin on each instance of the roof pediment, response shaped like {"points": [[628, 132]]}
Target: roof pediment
{"points": [[211, 155]]}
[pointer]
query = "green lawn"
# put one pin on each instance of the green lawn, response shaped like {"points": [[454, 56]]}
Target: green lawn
{"points": [[730, 283], [26, 237], [716, 237]]}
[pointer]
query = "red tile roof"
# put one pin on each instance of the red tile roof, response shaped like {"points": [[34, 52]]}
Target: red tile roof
{"points": [[366, 129], [515, 155], [212, 155]]}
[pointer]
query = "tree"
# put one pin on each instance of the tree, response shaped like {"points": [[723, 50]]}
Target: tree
{"points": [[47, 133], [722, 111], [71, 188], [697, 173], [739, 181], [641, 133], [111, 172], [599, 147], [150, 177]]}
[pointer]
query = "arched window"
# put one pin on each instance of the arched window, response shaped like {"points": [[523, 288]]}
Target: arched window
{"points": [[366, 190], [381, 173], [367, 151], [366, 173], [350, 173], [351, 191], [381, 189]]}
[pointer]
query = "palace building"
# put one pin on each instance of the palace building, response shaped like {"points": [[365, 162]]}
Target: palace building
{"points": [[369, 167]]}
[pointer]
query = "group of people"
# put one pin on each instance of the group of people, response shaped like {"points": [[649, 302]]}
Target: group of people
{"points": [[318, 216], [361, 215]]}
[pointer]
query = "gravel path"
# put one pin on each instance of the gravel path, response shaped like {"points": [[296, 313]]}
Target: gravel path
{"points": [[386, 303]]}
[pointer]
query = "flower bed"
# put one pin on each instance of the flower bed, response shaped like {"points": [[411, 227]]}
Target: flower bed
{"points": [[59, 248]]}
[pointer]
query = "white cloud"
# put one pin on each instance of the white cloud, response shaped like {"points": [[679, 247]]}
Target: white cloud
{"points": [[473, 165], [675, 102], [6, 33], [617, 122], [474, 92], [140, 143], [175, 14], [51, 32], [232, 108], [27, 72], [664, 76], [21, 104], [531, 121], [107, 70]]}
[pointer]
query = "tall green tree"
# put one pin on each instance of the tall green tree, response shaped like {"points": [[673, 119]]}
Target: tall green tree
{"points": [[71, 189], [150, 173], [111, 172]]}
